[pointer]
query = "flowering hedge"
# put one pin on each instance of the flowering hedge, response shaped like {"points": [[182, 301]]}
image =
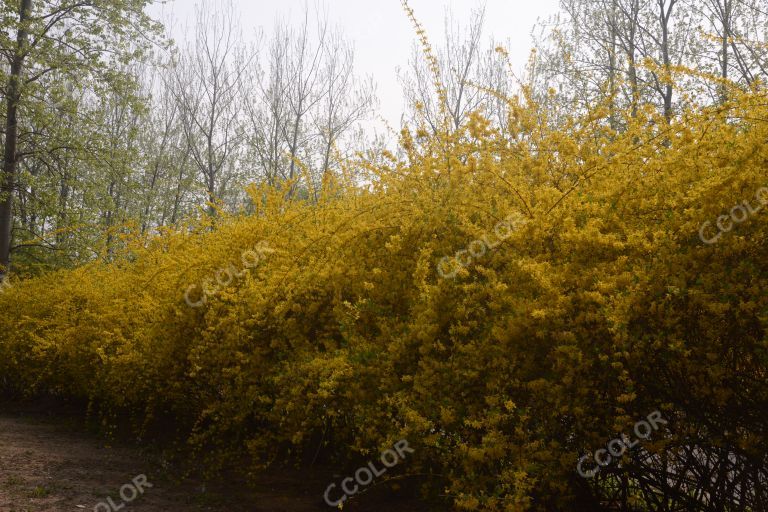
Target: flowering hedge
{"points": [[602, 306]]}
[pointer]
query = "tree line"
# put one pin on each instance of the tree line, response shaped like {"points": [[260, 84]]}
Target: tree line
{"points": [[110, 128]]}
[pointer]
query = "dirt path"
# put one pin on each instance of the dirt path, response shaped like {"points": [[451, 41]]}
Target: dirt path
{"points": [[48, 464], [47, 467]]}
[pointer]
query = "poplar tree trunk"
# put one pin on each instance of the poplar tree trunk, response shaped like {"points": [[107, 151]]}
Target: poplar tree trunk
{"points": [[10, 161]]}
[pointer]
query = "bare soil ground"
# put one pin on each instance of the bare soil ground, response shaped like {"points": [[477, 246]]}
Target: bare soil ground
{"points": [[47, 465]]}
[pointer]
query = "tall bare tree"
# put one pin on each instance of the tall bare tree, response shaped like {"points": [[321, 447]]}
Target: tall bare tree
{"points": [[207, 86], [303, 103], [472, 74]]}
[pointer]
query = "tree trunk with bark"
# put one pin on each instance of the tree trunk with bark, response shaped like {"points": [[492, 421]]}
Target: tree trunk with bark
{"points": [[10, 157]]}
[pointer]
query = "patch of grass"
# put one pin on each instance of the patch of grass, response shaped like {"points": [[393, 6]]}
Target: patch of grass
{"points": [[13, 481], [39, 492]]}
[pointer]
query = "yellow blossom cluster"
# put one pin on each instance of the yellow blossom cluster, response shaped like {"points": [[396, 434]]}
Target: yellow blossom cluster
{"points": [[602, 306]]}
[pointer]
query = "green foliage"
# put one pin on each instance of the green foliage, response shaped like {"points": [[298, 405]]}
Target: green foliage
{"points": [[79, 91]]}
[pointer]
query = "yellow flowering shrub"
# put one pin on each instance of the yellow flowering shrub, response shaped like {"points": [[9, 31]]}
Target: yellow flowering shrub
{"points": [[603, 305]]}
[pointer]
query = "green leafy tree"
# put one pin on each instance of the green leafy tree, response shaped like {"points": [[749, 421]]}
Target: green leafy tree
{"points": [[54, 48]]}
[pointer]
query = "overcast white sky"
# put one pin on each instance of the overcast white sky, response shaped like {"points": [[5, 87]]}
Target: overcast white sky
{"points": [[381, 32]]}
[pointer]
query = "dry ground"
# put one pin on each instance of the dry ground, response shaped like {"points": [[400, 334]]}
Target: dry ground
{"points": [[47, 465]]}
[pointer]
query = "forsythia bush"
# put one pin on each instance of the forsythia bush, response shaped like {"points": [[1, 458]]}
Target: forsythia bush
{"points": [[600, 305]]}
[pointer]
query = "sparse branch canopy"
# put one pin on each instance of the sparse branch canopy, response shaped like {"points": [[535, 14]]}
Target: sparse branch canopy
{"points": [[634, 53], [207, 83], [456, 79], [304, 105]]}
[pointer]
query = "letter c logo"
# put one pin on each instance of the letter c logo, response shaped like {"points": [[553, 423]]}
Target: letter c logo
{"points": [[328, 500], [607, 459], [194, 304], [445, 261], [721, 219], [344, 486], [703, 237], [589, 474]]}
